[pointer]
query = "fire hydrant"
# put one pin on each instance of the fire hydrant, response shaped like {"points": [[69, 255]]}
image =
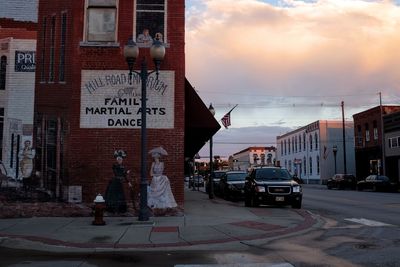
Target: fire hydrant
{"points": [[99, 206]]}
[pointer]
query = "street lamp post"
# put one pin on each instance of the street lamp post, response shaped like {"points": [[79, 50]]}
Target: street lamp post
{"points": [[131, 53], [211, 180], [334, 149]]}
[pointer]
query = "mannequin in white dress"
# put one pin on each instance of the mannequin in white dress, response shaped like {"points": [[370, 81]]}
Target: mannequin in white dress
{"points": [[159, 195]]}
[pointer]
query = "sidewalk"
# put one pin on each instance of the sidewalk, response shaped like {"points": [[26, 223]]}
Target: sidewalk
{"points": [[206, 224]]}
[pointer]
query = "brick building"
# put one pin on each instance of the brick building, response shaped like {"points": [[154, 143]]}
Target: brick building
{"points": [[391, 124], [85, 108], [368, 140], [17, 83]]}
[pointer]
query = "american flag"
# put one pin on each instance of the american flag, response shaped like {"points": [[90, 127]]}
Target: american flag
{"points": [[226, 119]]}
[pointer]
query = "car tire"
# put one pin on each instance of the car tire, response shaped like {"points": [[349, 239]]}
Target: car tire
{"points": [[254, 202], [329, 187], [296, 205]]}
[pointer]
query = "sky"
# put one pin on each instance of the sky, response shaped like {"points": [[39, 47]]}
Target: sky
{"points": [[288, 63], [285, 63]]}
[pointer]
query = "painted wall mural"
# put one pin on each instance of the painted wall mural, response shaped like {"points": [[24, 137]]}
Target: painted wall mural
{"points": [[109, 101]]}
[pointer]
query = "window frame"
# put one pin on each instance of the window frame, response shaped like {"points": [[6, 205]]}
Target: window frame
{"points": [[86, 37], [52, 48], [165, 33], [63, 38], [3, 72]]}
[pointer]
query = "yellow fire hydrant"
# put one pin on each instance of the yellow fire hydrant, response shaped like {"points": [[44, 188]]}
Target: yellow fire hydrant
{"points": [[99, 207]]}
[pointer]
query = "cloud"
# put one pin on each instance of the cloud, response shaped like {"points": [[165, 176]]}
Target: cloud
{"points": [[292, 63], [255, 53]]}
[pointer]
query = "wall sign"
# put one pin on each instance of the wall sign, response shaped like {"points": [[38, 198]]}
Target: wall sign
{"points": [[25, 61], [109, 101]]}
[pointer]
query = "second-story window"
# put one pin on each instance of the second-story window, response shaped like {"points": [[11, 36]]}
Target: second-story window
{"points": [[299, 143], [3, 72], [52, 48], [375, 130], [311, 146], [316, 141], [359, 135], [367, 135], [43, 52], [101, 21], [150, 20], [61, 72]]}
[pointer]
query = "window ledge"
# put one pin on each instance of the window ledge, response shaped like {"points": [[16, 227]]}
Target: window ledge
{"points": [[98, 44]]}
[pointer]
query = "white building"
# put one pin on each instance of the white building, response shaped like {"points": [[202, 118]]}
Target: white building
{"points": [[17, 87], [253, 156], [308, 151]]}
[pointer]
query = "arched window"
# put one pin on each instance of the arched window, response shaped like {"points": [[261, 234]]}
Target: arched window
{"points": [[295, 143], [310, 165], [305, 166], [316, 141], [310, 142], [289, 146], [281, 148], [3, 71], [304, 142]]}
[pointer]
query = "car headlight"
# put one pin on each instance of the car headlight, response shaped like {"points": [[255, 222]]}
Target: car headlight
{"points": [[296, 189], [260, 189]]}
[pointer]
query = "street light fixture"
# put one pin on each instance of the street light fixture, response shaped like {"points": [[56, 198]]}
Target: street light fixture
{"points": [[334, 149], [131, 53], [211, 180]]}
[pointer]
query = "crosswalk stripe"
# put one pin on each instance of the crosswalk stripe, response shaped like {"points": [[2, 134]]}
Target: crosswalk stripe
{"points": [[367, 222]]}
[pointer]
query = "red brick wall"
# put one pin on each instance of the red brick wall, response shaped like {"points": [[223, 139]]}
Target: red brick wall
{"points": [[88, 153]]}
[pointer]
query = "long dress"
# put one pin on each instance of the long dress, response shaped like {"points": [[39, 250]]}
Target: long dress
{"points": [[160, 195], [114, 196]]}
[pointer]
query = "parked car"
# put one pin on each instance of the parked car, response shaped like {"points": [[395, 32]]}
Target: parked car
{"points": [[377, 183], [231, 184], [342, 181], [272, 186], [216, 176]]}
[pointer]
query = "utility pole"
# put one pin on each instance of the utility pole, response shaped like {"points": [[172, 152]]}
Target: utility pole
{"points": [[344, 140], [383, 172]]}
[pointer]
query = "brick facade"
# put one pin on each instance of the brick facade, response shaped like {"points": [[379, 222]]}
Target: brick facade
{"points": [[368, 140], [70, 155]]}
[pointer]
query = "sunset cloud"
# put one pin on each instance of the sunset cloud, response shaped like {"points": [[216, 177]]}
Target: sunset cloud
{"points": [[292, 62], [298, 48]]}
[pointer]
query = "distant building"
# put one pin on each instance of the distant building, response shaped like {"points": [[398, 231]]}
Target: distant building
{"points": [[17, 87], [391, 124], [308, 151], [252, 157], [368, 140]]}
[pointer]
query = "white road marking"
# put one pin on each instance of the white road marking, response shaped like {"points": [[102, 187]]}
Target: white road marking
{"points": [[367, 222]]}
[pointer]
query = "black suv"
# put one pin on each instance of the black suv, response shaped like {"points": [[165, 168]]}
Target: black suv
{"points": [[272, 186]]}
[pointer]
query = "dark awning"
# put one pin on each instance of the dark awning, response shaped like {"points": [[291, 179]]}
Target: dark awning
{"points": [[200, 124]]}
